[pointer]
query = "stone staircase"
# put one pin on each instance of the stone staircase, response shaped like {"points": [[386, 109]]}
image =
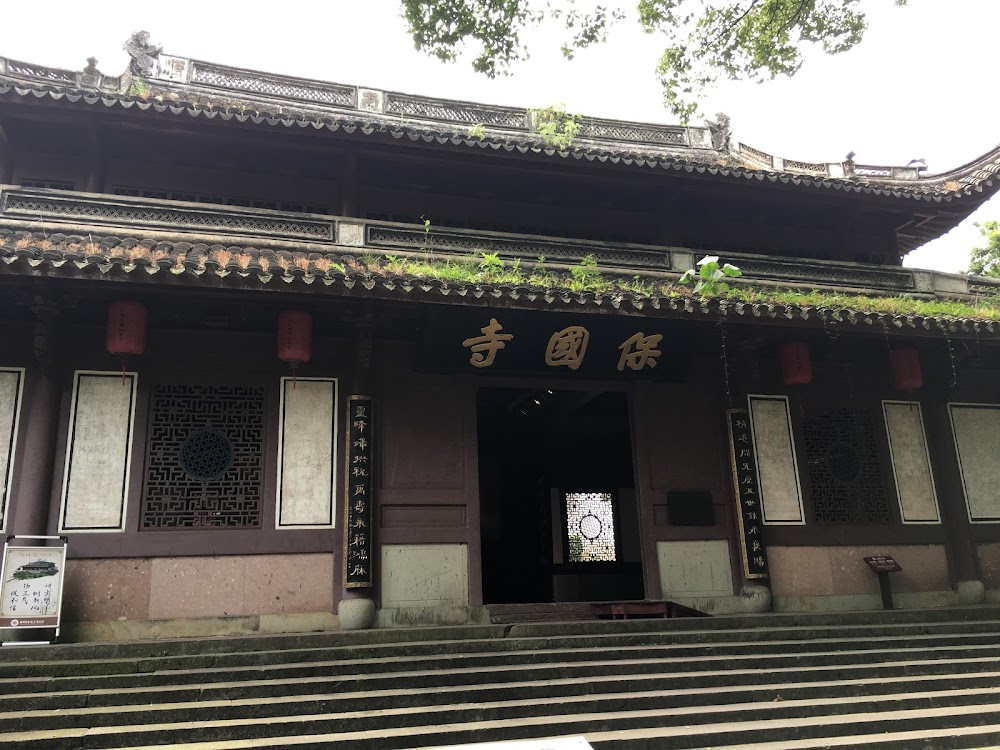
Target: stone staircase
{"points": [[894, 680]]}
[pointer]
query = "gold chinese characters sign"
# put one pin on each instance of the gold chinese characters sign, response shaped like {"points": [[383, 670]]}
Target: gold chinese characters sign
{"points": [[359, 486], [747, 494], [597, 347]]}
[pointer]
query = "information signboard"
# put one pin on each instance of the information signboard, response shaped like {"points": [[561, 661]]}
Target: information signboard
{"points": [[32, 584], [883, 564]]}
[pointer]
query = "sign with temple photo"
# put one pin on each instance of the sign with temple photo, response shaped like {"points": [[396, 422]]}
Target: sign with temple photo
{"points": [[597, 347], [31, 588]]}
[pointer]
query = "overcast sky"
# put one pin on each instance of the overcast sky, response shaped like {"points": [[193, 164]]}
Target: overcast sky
{"points": [[921, 85]]}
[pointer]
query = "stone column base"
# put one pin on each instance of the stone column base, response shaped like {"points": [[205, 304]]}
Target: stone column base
{"points": [[755, 599], [356, 614], [971, 592]]}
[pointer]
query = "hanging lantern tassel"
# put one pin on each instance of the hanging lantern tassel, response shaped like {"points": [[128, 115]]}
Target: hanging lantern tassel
{"points": [[126, 334], [294, 339], [906, 374], [796, 368]]}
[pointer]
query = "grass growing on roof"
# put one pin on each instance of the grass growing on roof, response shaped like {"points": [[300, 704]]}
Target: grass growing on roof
{"points": [[586, 276]]}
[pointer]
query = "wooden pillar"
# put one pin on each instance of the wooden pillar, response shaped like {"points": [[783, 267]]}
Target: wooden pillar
{"points": [[43, 398], [350, 198], [6, 159]]}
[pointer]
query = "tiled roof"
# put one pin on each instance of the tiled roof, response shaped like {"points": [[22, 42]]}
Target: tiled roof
{"points": [[188, 89], [346, 272]]}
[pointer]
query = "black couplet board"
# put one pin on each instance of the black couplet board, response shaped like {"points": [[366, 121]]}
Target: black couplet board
{"points": [[359, 496], [747, 494], [883, 564], [490, 341]]}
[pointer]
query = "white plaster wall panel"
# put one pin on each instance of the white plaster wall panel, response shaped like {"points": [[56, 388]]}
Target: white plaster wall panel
{"points": [[837, 571], [911, 463], [424, 575], [98, 452], [975, 428], [11, 384], [307, 450], [777, 470], [695, 568]]}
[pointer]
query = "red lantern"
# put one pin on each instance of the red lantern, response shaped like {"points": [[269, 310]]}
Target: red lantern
{"points": [[906, 375], [126, 334], [294, 337], [126, 329], [796, 367]]}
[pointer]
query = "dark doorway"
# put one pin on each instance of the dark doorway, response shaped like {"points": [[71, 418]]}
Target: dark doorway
{"points": [[557, 497]]}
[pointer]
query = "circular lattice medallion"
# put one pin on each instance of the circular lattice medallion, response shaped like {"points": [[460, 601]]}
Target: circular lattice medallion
{"points": [[591, 526], [844, 463], [206, 455]]}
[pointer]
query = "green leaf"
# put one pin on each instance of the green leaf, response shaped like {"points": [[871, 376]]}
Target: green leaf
{"points": [[731, 270], [704, 41]]}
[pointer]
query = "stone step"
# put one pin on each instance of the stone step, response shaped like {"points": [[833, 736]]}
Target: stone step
{"points": [[630, 729], [504, 651], [787, 699], [949, 738], [231, 644], [543, 664], [633, 685], [430, 683], [951, 617], [123, 665], [276, 692]]}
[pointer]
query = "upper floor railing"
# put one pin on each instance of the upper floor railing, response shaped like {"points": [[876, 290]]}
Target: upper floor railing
{"points": [[77, 213]]}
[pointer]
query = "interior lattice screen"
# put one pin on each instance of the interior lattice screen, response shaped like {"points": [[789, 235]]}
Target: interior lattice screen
{"points": [[204, 465], [590, 527], [845, 471]]}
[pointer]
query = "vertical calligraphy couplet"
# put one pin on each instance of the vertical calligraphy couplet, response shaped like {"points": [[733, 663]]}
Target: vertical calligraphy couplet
{"points": [[747, 494], [359, 493]]}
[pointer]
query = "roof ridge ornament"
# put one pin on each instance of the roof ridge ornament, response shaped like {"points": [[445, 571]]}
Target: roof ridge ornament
{"points": [[143, 53], [90, 78], [721, 131]]}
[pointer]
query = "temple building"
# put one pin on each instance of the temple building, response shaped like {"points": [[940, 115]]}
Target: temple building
{"points": [[280, 354]]}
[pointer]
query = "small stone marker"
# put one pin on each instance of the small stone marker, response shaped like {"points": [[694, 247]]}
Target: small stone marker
{"points": [[884, 565]]}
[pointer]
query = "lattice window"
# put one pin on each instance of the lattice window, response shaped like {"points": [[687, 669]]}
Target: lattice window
{"points": [[49, 184], [444, 241], [840, 274], [845, 472], [455, 111], [239, 222], [624, 131], [805, 166], [219, 200], [15, 67], [204, 466], [757, 154], [285, 88], [590, 527]]}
